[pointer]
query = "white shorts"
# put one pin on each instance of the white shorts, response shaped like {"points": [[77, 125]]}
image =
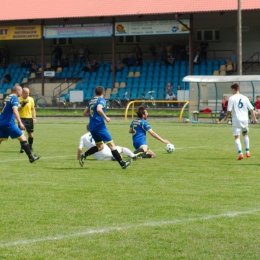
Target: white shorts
{"points": [[238, 130], [107, 156]]}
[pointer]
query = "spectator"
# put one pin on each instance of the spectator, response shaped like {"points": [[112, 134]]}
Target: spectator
{"points": [[169, 49], [65, 62], [4, 63], [233, 60], [249, 113], [197, 59], [177, 48], [94, 66], [131, 60], [74, 53], [119, 66], [139, 61], [25, 64], [57, 52], [87, 67], [169, 94], [170, 60], [82, 53], [137, 51], [6, 53], [204, 46], [34, 67], [125, 60], [87, 52], [7, 78], [152, 50], [183, 51], [257, 105], [223, 112], [160, 51], [1, 56]]}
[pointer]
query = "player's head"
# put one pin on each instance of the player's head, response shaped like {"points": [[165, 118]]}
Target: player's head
{"points": [[234, 88], [100, 91], [142, 112], [25, 93], [17, 90]]}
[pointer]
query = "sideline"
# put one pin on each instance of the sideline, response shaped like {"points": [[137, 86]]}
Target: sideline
{"points": [[132, 226]]}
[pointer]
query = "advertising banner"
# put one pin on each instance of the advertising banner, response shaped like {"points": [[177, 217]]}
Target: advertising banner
{"points": [[151, 27], [77, 30], [21, 32]]}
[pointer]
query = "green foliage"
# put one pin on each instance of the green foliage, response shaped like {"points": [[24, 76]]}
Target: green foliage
{"points": [[198, 202]]}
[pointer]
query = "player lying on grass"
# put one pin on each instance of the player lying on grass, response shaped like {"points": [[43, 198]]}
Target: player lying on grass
{"points": [[138, 129], [87, 141], [96, 110]]}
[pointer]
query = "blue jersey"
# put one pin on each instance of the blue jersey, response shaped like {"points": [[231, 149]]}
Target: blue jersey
{"points": [[7, 115], [139, 128], [95, 119]]}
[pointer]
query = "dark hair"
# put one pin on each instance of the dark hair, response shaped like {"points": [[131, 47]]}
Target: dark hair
{"points": [[99, 90], [235, 86], [140, 111]]}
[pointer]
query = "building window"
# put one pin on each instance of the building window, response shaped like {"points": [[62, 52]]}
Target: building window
{"points": [[128, 39], [208, 35], [62, 41]]}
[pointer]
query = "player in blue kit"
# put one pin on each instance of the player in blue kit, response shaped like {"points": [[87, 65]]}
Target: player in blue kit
{"points": [[138, 129], [7, 122], [96, 111]]}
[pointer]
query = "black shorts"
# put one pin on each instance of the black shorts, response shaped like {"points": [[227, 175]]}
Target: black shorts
{"points": [[28, 124]]}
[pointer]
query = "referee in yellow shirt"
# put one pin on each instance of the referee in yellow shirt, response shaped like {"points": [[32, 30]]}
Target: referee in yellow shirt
{"points": [[28, 115]]}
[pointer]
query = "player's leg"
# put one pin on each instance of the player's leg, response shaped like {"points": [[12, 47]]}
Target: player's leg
{"points": [[99, 146], [16, 133], [236, 134], [246, 141], [128, 152], [117, 156]]}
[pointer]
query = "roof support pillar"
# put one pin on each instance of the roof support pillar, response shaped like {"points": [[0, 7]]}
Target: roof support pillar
{"points": [[42, 58], [113, 52], [191, 45]]}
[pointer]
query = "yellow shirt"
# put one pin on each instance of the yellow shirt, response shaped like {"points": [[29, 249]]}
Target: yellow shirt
{"points": [[26, 111]]}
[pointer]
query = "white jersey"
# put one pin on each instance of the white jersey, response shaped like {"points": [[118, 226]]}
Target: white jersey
{"points": [[104, 155], [239, 105]]}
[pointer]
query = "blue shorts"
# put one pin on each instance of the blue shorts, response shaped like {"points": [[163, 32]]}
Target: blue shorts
{"points": [[139, 142], [11, 130], [101, 135]]}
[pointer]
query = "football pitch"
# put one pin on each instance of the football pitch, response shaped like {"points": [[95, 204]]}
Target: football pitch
{"points": [[198, 202]]}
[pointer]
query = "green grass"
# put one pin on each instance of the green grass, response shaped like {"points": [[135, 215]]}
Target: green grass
{"points": [[197, 203]]}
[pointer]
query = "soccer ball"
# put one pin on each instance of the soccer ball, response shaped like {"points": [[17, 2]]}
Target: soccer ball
{"points": [[169, 148], [229, 122]]}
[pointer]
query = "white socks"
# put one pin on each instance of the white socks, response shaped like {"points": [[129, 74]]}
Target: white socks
{"points": [[246, 142], [238, 145], [128, 152]]}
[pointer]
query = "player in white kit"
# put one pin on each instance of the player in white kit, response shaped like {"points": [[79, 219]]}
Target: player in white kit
{"points": [[239, 105], [104, 155]]}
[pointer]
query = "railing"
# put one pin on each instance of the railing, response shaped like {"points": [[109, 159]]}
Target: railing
{"points": [[251, 61], [132, 103], [107, 56], [57, 91]]}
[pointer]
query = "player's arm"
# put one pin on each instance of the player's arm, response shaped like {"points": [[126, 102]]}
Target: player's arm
{"points": [[79, 153], [227, 115], [156, 136], [34, 114], [86, 112], [17, 116], [252, 111], [101, 113], [130, 130]]}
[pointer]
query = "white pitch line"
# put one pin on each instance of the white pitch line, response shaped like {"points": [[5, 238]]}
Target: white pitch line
{"points": [[132, 226]]}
